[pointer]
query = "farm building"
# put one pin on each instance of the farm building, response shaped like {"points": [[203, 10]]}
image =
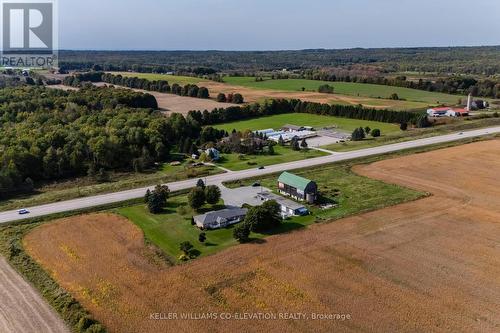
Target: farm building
{"points": [[457, 113], [297, 187], [288, 207], [288, 133], [288, 136], [221, 218], [447, 112], [213, 153], [265, 131], [438, 112]]}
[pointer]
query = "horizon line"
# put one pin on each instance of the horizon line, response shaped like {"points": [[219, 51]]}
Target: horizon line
{"points": [[280, 50]]}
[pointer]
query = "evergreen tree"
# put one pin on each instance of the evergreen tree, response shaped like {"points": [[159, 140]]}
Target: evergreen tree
{"points": [[200, 183], [196, 198], [202, 237], [155, 203], [358, 134], [212, 194], [242, 233], [221, 98], [303, 144]]}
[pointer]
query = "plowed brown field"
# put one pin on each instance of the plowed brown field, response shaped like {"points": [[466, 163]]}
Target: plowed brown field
{"points": [[431, 265]]}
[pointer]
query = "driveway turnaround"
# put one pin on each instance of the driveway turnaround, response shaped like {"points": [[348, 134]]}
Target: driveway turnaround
{"points": [[109, 198], [237, 197]]}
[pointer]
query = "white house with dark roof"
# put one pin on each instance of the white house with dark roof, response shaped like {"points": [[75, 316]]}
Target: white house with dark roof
{"points": [[221, 218]]}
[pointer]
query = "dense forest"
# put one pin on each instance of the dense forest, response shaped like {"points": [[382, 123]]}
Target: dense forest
{"points": [[50, 134], [456, 60]]}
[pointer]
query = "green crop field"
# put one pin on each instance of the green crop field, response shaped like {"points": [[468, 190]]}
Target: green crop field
{"points": [[181, 80], [347, 88], [306, 119], [237, 162]]}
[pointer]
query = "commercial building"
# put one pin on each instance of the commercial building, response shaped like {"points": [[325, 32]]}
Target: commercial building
{"points": [[297, 187]]}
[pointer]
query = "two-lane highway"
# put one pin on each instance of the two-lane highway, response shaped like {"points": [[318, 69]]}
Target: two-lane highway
{"points": [[109, 198]]}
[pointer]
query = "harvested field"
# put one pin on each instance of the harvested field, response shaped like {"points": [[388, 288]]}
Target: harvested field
{"points": [[170, 102], [259, 95], [22, 309], [431, 265], [181, 104]]}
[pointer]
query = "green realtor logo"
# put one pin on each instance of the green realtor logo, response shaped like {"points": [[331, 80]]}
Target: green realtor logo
{"points": [[28, 33]]}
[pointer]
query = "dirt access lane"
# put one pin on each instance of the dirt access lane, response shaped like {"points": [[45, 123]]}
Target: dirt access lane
{"points": [[432, 265], [22, 309]]}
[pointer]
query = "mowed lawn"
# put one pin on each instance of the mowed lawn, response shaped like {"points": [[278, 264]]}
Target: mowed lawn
{"points": [[237, 162], [347, 88], [337, 183], [173, 226], [306, 119], [181, 80]]}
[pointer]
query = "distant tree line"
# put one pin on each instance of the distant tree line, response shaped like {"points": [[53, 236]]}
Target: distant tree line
{"points": [[461, 60], [230, 98], [281, 106], [451, 85], [189, 90]]}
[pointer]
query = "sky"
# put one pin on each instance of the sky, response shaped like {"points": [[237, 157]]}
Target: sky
{"points": [[275, 24]]}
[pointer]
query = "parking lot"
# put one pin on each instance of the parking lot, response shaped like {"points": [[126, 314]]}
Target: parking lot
{"points": [[327, 137], [242, 195]]}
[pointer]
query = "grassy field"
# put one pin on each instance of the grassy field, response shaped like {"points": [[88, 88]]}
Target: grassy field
{"points": [[337, 183], [84, 187], [347, 88], [182, 80], [282, 155], [173, 226], [304, 119], [417, 133]]}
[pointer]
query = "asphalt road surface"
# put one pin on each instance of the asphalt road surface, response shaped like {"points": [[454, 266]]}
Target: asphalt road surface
{"points": [[109, 198]]}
